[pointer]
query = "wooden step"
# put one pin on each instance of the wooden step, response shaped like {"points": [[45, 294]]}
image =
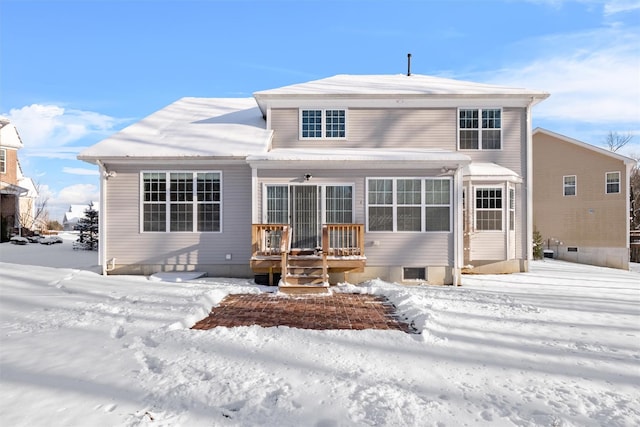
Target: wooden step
{"points": [[303, 289], [297, 279]]}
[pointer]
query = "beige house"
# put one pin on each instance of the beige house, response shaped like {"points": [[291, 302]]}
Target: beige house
{"points": [[581, 200], [408, 178]]}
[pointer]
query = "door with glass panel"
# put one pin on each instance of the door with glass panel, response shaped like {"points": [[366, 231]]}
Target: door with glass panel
{"points": [[305, 211], [306, 208]]}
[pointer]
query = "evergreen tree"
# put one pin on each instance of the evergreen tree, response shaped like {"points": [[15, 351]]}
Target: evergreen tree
{"points": [[88, 228]]}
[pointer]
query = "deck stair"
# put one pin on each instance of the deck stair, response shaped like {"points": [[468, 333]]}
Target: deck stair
{"points": [[305, 273]]}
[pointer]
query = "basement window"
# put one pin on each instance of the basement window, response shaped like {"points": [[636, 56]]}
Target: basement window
{"points": [[414, 273]]}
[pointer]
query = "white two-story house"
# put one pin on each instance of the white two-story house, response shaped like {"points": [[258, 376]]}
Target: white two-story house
{"points": [[408, 178]]}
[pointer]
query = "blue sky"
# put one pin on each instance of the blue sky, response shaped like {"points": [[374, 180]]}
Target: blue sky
{"points": [[74, 72]]}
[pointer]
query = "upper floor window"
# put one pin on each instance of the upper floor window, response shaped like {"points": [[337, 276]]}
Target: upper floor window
{"points": [[323, 124], [409, 204], [480, 129], [613, 182], [3, 160], [569, 185], [181, 201]]}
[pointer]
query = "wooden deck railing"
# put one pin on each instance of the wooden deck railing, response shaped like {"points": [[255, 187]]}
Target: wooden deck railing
{"points": [[269, 239], [337, 239], [343, 239]]}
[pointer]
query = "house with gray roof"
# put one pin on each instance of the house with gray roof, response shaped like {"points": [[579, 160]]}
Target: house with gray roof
{"points": [[407, 178]]}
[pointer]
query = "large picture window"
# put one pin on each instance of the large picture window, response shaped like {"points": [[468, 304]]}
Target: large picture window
{"points": [[323, 124], [181, 201], [480, 129], [409, 204]]}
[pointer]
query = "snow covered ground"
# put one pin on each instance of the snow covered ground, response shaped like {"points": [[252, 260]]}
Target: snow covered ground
{"points": [[559, 346]]}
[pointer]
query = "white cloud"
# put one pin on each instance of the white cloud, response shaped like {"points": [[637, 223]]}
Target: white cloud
{"points": [[609, 7], [612, 7], [76, 194], [80, 171], [48, 130], [592, 77]]}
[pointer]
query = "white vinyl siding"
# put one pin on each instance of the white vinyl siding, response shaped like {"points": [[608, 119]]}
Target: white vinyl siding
{"points": [[181, 201]]}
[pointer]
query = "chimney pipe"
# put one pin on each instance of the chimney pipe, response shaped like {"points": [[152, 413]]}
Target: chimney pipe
{"points": [[408, 64]]}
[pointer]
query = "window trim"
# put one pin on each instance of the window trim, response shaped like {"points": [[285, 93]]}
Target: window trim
{"points": [[423, 204], [3, 160], [565, 186], [606, 183], [323, 115], [479, 129], [167, 202], [502, 209]]}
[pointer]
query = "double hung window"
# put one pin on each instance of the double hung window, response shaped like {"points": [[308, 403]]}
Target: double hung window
{"points": [[3, 160], [480, 129], [613, 182], [409, 204], [181, 201], [488, 209], [569, 185], [323, 124]]}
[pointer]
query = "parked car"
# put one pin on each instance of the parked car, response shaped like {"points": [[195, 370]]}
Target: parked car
{"points": [[34, 239], [50, 240], [17, 240]]}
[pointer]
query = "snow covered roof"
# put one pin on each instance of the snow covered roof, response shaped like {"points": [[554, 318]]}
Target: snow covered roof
{"points": [[415, 85], [28, 183], [626, 160], [372, 158], [9, 136], [76, 212], [189, 128], [489, 172]]}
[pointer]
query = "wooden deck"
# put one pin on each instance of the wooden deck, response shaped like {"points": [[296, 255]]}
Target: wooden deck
{"points": [[306, 270]]}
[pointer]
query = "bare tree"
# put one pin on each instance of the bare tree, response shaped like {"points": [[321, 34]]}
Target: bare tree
{"points": [[616, 141], [36, 215]]}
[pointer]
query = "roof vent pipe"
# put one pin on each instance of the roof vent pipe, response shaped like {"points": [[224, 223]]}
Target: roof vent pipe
{"points": [[408, 64]]}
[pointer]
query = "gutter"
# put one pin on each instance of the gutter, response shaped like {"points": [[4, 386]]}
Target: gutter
{"points": [[102, 218]]}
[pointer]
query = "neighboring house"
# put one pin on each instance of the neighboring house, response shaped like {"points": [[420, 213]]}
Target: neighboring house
{"points": [[581, 200], [29, 216], [352, 177], [74, 213], [10, 189]]}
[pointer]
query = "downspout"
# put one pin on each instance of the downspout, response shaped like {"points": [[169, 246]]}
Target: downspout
{"points": [[254, 186], [102, 219], [627, 219], [458, 242], [529, 185]]}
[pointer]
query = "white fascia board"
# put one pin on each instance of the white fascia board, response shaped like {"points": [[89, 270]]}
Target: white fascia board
{"points": [[182, 161], [356, 164], [434, 101]]}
